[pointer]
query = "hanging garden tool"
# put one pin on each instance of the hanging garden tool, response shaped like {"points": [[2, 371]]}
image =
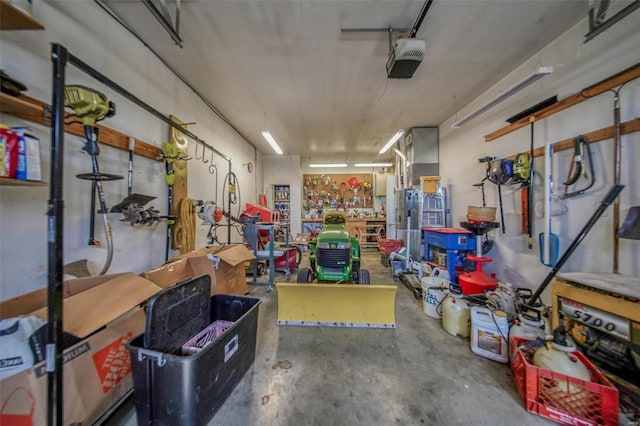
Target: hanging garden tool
{"points": [[132, 207], [549, 242], [630, 228], [500, 173], [522, 177], [577, 169], [532, 120], [92, 106]]}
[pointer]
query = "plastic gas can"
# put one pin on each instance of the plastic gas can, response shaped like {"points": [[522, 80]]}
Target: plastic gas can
{"points": [[525, 327], [456, 315], [490, 334]]}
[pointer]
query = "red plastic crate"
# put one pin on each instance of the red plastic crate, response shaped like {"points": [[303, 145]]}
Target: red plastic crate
{"points": [[389, 245], [565, 399]]}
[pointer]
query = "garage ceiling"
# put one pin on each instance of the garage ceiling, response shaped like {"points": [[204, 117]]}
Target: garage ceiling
{"points": [[285, 65]]}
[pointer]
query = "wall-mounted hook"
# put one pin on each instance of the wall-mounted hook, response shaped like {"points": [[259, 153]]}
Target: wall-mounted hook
{"points": [[204, 150], [213, 169], [211, 165], [196, 154]]}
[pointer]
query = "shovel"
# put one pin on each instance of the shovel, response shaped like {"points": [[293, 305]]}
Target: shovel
{"points": [[549, 242], [630, 228]]}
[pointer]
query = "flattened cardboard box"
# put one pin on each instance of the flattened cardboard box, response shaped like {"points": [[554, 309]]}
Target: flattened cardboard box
{"points": [[227, 275], [96, 370]]}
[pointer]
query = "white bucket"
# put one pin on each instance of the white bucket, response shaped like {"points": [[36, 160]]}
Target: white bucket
{"points": [[434, 290], [490, 334]]}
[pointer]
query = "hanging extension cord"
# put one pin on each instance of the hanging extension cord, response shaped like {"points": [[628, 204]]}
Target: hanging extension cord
{"points": [[185, 223]]}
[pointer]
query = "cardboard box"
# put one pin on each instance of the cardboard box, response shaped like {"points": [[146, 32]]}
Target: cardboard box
{"points": [[103, 312], [223, 264], [429, 184]]}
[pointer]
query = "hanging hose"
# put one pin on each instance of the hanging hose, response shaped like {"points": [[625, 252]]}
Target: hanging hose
{"points": [[92, 148], [231, 182]]}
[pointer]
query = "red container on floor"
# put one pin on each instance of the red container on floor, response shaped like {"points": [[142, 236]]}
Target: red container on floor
{"points": [[294, 260], [565, 399], [388, 245]]}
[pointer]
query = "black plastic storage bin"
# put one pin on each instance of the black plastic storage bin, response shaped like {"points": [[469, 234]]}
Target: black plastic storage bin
{"points": [[174, 389]]}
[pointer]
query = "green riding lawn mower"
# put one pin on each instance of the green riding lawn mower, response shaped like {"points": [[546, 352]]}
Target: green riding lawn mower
{"points": [[337, 299], [334, 255]]}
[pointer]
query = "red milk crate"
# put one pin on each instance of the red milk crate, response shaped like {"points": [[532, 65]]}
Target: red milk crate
{"points": [[564, 399], [389, 245]]}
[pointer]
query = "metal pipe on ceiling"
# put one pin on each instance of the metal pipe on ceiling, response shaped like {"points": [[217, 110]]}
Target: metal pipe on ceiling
{"points": [[173, 70]]}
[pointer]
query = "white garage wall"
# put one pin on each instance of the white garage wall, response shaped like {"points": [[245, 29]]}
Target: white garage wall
{"points": [[92, 36], [577, 66]]}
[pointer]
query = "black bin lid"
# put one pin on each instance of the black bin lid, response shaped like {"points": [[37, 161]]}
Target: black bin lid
{"points": [[178, 313]]}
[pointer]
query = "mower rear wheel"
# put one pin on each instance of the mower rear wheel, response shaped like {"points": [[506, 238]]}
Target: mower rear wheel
{"points": [[304, 275], [363, 277]]}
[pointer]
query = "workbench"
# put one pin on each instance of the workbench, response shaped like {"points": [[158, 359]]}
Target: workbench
{"points": [[312, 226]]}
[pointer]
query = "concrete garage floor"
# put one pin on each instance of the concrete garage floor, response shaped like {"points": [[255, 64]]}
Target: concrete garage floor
{"points": [[412, 375]]}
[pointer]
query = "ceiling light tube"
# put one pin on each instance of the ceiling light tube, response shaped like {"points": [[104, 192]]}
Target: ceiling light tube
{"points": [[531, 78], [372, 165], [321, 165], [272, 142], [393, 140]]}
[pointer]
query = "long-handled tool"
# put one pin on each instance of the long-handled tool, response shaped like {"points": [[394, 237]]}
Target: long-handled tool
{"points": [[530, 190], [611, 196], [549, 242], [91, 106]]}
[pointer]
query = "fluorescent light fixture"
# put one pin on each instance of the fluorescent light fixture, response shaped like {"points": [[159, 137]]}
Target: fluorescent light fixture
{"points": [[322, 165], [372, 165], [272, 142], [531, 78], [393, 140]]}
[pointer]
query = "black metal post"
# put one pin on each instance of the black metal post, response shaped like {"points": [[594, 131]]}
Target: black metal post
{"points": [[229, 208], [55, 213]]}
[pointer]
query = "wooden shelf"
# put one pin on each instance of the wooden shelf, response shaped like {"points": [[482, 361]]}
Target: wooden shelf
{"points": [[14, 105], [12, 18], [16, 182], [33, 110]]}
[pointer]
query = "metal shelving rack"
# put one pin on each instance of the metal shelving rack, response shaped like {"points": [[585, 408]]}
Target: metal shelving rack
{"points": [[282, 201]]}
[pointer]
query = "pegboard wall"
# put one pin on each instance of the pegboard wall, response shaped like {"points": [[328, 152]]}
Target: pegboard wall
{"points": [[338, 190]]}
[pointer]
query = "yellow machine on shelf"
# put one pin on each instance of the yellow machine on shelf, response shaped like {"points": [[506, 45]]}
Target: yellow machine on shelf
{"points": [[337, 305]]}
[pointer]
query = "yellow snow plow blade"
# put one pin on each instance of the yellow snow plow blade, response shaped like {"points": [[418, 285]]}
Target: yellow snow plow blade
{"points": [[337, 305]]}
